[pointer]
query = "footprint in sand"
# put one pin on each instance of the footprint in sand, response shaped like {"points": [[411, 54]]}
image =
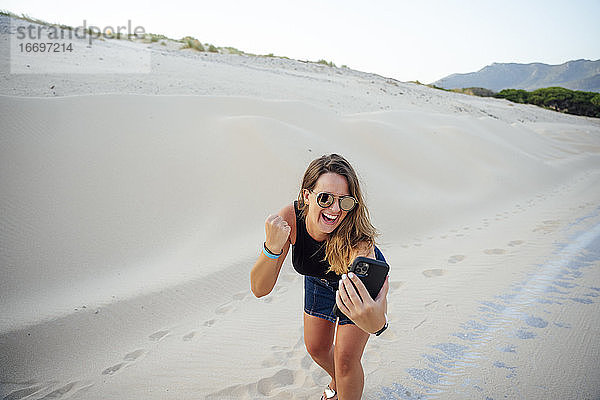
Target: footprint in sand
{"points": [[318, 374], [158, 336], [112, 370], [430, 273], [225, 308], [230, 305], [456, 258], [547, 226], [25, 392], [134, 355], [210, 322], [130, 357], [240, 296], [283, 378], [516, 243], [395, 285], [419, 324], [189, 336], [307, 362], [68, 389], [431, 303], [494, 251], [271, 362]]}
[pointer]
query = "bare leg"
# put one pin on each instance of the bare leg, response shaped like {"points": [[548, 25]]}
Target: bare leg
{"points": [[318, 338], [349, 376]]}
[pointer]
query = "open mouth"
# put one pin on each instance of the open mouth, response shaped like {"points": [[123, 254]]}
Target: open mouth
{"points": [[329, 219]]}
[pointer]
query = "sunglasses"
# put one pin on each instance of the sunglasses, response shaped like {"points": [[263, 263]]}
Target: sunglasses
{"points": [[325, 200]]}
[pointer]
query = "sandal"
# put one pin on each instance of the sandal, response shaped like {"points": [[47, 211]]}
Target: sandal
{"points": [[329, 393]]}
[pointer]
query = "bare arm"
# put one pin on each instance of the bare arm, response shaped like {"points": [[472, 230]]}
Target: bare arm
{"points": [[266, 270]]}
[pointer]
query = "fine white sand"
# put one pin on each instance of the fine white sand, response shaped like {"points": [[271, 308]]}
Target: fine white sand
{"points": [[133, 207]]}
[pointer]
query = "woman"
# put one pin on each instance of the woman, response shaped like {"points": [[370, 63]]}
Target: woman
{"points": [[328, 226]]}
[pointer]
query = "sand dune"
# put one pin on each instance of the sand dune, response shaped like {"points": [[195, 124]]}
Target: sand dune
{"points": [[133, 210]]}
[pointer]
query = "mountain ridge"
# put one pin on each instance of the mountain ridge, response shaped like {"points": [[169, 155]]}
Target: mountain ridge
{"points": [[579, 74]]}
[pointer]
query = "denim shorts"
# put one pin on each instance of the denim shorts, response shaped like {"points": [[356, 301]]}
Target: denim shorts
{"points": [[319, 296], [319, 299]]}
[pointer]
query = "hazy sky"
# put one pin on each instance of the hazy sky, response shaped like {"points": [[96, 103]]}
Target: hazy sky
{"points": [[421, 39]]}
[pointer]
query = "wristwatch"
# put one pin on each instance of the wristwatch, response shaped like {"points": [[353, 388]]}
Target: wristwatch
{"points": [[379, 332]]}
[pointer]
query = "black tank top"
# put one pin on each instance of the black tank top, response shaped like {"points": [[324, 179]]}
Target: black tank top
{"points": [[308, 255]]}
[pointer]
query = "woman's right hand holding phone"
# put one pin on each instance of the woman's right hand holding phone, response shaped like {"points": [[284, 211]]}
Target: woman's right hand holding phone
{"points": [[354, 301]]}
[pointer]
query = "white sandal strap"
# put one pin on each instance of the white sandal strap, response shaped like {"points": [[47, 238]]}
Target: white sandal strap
{"points": [[329, 393]]}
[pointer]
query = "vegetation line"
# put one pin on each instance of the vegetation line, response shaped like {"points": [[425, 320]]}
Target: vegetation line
{"points": [[557, 99], [553, 98]]}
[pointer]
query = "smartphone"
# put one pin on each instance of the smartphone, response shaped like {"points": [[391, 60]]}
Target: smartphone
{"points": [[371, 272]]}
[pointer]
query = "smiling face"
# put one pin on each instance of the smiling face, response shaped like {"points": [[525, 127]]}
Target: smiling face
{"points": [[320, 222]]}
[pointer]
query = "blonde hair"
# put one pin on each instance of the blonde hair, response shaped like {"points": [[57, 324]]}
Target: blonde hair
{"points": [[355, 229]]}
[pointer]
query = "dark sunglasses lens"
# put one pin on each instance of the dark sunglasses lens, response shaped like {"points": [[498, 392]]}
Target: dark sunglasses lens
{"points": [[325, 199], [347, 203]]}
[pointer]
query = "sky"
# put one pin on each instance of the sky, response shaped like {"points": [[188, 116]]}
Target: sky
{"points": [[421, 40]]}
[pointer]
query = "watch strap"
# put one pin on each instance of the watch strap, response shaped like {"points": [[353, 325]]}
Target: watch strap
{"points": [[379, 332]]}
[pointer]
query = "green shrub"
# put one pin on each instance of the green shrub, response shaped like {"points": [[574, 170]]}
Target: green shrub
{"points": [[514, 95], [190, 42], [558, 99], [478, 91], [325, 62]]}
